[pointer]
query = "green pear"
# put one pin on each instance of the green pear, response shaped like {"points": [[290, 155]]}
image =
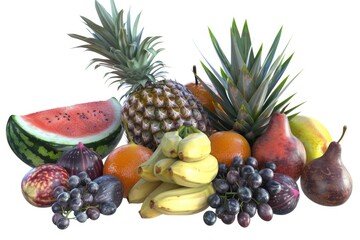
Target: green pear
{"points": [[312, 133]]}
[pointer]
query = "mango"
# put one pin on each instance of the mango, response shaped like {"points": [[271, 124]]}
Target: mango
{"points": [[312, 133]]}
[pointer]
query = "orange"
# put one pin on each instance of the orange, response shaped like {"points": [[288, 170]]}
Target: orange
{"points": [[123, 162], [225, 145], [198, 90]]}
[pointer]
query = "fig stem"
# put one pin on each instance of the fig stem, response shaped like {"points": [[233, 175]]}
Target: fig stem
{"points": [[343, 133]]}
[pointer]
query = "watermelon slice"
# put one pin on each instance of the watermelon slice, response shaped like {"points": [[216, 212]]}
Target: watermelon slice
{"points": [[42, 137]]}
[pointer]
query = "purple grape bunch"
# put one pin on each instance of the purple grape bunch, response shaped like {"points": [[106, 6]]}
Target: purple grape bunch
{"points": [[242, 190], [79, 202]]}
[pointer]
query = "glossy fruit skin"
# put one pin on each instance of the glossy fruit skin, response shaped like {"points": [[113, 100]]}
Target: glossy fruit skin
{"points": [[326, 180], [287, 199], [110, 189], [38, 184], [280, 146], [202, 94], [225, 145], [313, 134], [81, 158]]}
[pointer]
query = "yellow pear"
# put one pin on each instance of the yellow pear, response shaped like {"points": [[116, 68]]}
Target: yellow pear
{"points": [[312, 133]]}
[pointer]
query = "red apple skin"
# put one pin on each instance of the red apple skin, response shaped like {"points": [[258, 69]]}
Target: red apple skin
{"points": [[38, 184]]}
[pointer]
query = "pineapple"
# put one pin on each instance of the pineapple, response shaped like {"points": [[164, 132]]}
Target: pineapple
{"points": [[153, 104], [247, 89]]}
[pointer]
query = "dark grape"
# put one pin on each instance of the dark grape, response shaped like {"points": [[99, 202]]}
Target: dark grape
{"points": [[232, 206], [265, 212], [219, 210], [261, 195], [271, 165], [74, 181], [81, 217], [107, 208], [227, 218], [243, 219], [59, 189], [76, 204], [56, 217], [254, 180], [251, 161], [93, 187], [250, 208], [63, 223], [241, 182], [93, 213], [63, 198], [245, 194], [247, 170], [75, 193], [267, 174], [237, 162], [56, 207], [82, 175], [222, 169], [214, 200], [87, 198], [220, 185], [273, 187], [209, 218], [232, 176]]}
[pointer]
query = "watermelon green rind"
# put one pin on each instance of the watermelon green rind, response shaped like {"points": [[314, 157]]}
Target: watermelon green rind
{"points": [[35, 147]]}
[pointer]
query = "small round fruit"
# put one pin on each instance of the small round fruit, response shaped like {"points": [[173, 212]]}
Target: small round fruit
{"points": [[226, 145], [202, 94], [209, 217], [39, 183], [123, 163]]}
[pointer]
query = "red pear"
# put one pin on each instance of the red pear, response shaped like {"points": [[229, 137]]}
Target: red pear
{"points": [[326, 180], [280, 146]]}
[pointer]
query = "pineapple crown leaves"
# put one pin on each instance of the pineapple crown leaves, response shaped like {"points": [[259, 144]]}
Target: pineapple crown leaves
{"points": [[131, 59], [248, 89]]}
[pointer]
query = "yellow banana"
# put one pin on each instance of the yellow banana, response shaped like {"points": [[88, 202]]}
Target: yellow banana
{"points": [[141, 190], [194, 147], [194, 174], [161, 169], [182, 201], [146, 211], [169, 143], [146, 169]]}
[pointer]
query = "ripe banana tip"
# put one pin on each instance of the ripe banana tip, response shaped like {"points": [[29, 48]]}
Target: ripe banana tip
{"points": [[139, 170]]}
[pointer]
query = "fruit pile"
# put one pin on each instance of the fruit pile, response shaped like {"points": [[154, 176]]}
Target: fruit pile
{"points": [[236, 149]]}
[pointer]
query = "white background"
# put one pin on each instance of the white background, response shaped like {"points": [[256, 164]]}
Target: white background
{"points": [[40, 69]]}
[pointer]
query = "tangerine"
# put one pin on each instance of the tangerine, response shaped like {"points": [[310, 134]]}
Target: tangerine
{"points": [[225, 145], [123, 162]]}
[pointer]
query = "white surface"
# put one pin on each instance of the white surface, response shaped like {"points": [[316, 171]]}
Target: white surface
{"points": [[40, 69]]}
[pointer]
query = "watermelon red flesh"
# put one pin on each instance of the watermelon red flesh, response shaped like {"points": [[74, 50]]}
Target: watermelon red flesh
{"points": [[77, 121], [43, 136]]}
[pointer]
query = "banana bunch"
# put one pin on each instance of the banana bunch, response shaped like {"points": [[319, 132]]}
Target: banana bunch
{"points": [[177, 178]]}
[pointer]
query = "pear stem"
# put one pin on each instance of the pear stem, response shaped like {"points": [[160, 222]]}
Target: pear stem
{"points": [[196, 79], [343, 133]]}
